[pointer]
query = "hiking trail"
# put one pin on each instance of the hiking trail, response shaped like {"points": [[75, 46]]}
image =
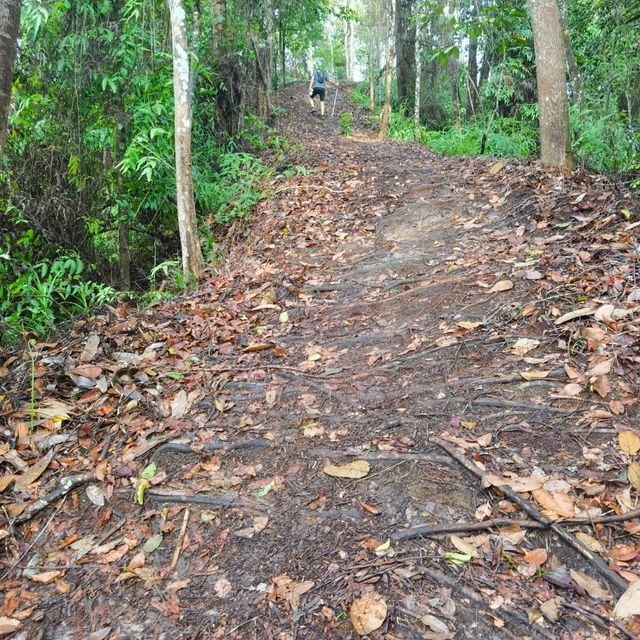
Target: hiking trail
{"points": [[394, 316]]}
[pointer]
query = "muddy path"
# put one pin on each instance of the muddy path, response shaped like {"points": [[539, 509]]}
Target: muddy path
{"points": [[392, 309]]}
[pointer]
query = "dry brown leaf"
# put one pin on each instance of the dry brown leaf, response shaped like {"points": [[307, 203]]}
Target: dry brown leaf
{"points": [[590, 542], [47, 577], [258, 346], [518, 484], [464, 547], [572, 389], [535, 557], [33, 472], [501, 285], [524, 345], [468, 324], [633, 473], [629, 602], [572, 315], [354, 470], [556, 505], [534, 375], [629, 442], [8, 625], [601, 368], [367, 613], [591, 586]]}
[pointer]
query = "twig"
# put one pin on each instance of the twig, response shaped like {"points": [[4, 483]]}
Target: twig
{"points": [[437, 529], [64, 486], [442, 579], [603, 569], [596, 614], [33, 542], [215, 445], [183, 532]]}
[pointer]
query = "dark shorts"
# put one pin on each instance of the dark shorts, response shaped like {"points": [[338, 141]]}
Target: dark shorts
{"points": [[318, 91]]}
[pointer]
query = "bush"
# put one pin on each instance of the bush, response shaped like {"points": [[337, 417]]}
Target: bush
{"points": [[346, 123]]}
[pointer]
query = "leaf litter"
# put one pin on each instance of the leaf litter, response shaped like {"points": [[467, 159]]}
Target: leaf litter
{"points": [[340, 341]]}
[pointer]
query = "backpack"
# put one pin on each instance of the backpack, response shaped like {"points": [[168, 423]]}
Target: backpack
{"points": [[319, 78]]}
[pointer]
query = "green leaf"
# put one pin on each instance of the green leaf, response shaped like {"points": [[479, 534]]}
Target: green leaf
{"points": [[152, 543], [142, 487], [263, 491], [458, 558], [149, 471]]}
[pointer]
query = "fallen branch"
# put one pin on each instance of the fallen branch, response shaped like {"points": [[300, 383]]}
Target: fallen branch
{"points": [[64, 487], [424, 530], [215, 445], [194, 498], [601, 567], [442, 579], [592, 613]]}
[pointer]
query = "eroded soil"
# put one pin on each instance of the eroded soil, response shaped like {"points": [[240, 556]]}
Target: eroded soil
{"points": [[390, 306]]}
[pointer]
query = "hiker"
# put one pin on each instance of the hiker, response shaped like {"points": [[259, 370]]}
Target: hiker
{"points": [[317, 87]]}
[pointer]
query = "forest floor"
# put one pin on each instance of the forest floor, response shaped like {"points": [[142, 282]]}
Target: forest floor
{"points": [[404, 341]]}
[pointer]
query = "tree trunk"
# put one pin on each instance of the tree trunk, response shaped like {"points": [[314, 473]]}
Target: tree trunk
{"points": [[472, 78], [219, 16], [416, 97], [552, 88], [384, 121], [9, 28], [192, 260], [572, 66], [405, 56]]}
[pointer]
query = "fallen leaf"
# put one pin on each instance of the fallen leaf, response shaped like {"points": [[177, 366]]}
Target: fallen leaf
{"points": [[590, 542], [464, 547], [258, 346], [591, 586], [33, 472], [222, 588], [601, 369], [524, 345], [534, 375], [355, 470], [501, 285], [179, 405], [47, 577], [633, 473], [95, 495], [8, 625], [629, 442], [367, 613], [535, 557], [152, 543], [436, 625], [467, 324], [629, 602]]}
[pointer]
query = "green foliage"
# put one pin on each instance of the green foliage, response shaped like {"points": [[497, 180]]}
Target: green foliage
{"points": [[346, 123], [38, 293]]}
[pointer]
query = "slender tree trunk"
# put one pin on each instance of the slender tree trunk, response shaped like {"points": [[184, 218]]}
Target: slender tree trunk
{"points": [[372, 82], [388, 73], [416, 97], [9, 28], [124, 251], [552, 89], [219, 17], [192, 260]]}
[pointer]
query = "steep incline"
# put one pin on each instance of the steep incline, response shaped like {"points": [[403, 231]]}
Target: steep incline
{"points": [[392, 311]]}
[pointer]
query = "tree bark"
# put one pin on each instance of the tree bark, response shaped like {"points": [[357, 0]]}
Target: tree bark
{"points": [[192, 260], [416, 97], [9, 28], [219, 16], [384, 120], [405, 56], [552, 89], [572, 66]]}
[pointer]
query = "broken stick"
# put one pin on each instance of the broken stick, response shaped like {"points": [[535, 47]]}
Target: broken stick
{"points": [[617, 581]]}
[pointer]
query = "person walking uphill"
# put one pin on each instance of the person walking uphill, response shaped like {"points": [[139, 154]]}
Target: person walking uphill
{"points": [[317, 87]]}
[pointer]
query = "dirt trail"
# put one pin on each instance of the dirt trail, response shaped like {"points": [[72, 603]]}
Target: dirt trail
{"points": [[363, 320]]}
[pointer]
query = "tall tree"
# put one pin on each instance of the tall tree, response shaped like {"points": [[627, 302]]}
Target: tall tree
{"points": [[388, 75], [405, 39], [417, 91], [192, 260], [551, 79], [9, 26]]}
